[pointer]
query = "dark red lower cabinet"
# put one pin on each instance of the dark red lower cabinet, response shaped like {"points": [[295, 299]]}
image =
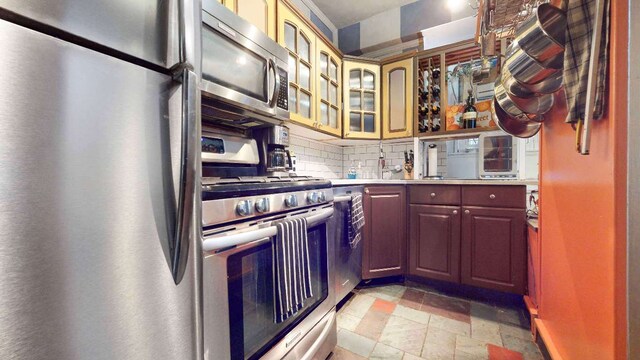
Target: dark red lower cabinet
{"points": [[434, 242], [493, 248], [385, 232]]}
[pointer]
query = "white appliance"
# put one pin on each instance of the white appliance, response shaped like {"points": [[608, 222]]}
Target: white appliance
{"points": [[497, 155]]}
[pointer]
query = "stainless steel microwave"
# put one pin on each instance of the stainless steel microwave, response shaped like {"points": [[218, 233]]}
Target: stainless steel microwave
{"points": [[497, 155], [242, 68]]}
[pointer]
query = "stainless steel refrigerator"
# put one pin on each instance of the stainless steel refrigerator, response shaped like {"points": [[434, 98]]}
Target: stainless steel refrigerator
{"points": [[99, 157]]}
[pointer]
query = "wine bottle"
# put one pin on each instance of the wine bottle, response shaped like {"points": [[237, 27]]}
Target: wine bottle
{"points": [[470, 114]]}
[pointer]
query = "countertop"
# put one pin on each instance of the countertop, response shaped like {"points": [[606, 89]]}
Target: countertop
{"points": [[344, 182]]}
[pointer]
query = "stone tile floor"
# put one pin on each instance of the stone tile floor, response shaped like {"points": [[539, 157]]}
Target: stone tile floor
{"points": [[415, 322]]}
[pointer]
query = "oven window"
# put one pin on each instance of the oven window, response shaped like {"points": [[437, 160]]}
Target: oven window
{"points": [[251, 292], [498, 153]]}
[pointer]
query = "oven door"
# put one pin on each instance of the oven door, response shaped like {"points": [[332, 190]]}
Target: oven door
{"points": [[235, 68], [239, 298]]}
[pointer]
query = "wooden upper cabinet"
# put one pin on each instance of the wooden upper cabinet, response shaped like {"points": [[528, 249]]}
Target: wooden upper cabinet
{"points": [[260, 13], [300, 41], [398, 99], [361, 99], [385, 232], [494, 248], [329, 80], [229, 4]]}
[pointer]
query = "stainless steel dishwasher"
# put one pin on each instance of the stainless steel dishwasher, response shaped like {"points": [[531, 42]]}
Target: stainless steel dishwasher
{"points": [[348, 261]]}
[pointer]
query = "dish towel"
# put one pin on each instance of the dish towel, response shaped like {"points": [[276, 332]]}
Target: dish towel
{"points": [[355, 220], [291, 269], [579, 35]]}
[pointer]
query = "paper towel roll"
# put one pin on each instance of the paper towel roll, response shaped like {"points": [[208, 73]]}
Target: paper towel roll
{"points": [[432, 155]]}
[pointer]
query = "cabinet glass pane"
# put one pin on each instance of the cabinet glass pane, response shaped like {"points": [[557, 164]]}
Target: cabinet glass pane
{"points": [[354, 79], [304, 76], [293, 99], [292, 69], [369, 123], [303, 47], [290, 36], [305, 105], [324, 59], [333, 93], [369, 101], [333, 70], [397, 100], [369, 80], [333, 118], [324, 114], [354, 122], [354, 100], [324, 94], [254, 11]]}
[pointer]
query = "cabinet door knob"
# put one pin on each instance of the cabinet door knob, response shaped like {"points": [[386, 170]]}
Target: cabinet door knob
{"points": [[455, 212], [467, 212], [492, 196], [433, 195], [366, 191]]}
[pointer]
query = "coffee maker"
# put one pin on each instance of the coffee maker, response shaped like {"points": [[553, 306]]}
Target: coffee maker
{"points": [[273, 143]]}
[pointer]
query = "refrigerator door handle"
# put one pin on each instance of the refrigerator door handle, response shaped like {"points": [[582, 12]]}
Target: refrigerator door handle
{"points": [[187, 24], [189, 156]]}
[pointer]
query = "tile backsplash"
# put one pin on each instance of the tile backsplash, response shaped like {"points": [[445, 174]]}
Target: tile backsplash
{"points": [[314, 158], [367, 157]]}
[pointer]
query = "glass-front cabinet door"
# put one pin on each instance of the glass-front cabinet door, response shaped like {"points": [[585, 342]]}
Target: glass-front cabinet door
{"points": [[361, 95], [397, 99], [299, 40], [329, 79]]}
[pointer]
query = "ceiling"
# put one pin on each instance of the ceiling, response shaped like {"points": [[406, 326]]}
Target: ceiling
{"points": [[347, 12]]}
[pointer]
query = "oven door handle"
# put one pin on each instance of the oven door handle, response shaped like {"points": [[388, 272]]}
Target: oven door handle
{"points": [[225, 241]]}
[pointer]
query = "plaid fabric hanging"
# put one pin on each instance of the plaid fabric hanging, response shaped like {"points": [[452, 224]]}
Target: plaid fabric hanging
{"points": [[580, 19]]}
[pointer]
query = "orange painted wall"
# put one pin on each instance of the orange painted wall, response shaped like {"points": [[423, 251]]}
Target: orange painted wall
{"points": [[582, 223]]}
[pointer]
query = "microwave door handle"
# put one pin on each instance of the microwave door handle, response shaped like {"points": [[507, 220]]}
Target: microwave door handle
{"points": [[239, 238], [275, 92]]}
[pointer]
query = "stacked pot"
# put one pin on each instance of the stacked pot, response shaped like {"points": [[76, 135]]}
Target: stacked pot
{"points": [[532, 72]]}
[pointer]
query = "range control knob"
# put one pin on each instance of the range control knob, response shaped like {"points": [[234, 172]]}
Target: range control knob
{"points": [[244, 208], [312, 197], [262, 205], [291, 201], [321, 197]]}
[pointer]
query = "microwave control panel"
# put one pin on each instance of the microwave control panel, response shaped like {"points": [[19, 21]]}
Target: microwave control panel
{"points": [[283, 96]]}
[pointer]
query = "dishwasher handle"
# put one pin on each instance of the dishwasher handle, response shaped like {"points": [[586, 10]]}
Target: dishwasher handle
{"points": [[341, 198]]}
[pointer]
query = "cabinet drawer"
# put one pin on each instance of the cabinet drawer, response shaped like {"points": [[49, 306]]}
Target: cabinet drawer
{"points": [[495, 196], [435, 194]]}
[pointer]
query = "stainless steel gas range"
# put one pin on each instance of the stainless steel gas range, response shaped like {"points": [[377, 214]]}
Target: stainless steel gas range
{"points": [[238, 224]]}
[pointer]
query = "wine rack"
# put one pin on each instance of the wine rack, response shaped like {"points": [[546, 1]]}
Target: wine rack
{"points": [[430, 116]]}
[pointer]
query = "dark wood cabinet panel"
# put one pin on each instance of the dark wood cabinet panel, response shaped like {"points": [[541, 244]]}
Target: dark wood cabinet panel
{"points": [[434, 242], [385, 232], [533, 260], [493, 249], [495, 196], [434, 194]]}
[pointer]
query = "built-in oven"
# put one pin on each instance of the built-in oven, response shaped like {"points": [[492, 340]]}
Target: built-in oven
{"points": [[497, 155], [242, 68], [239, 293]]}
